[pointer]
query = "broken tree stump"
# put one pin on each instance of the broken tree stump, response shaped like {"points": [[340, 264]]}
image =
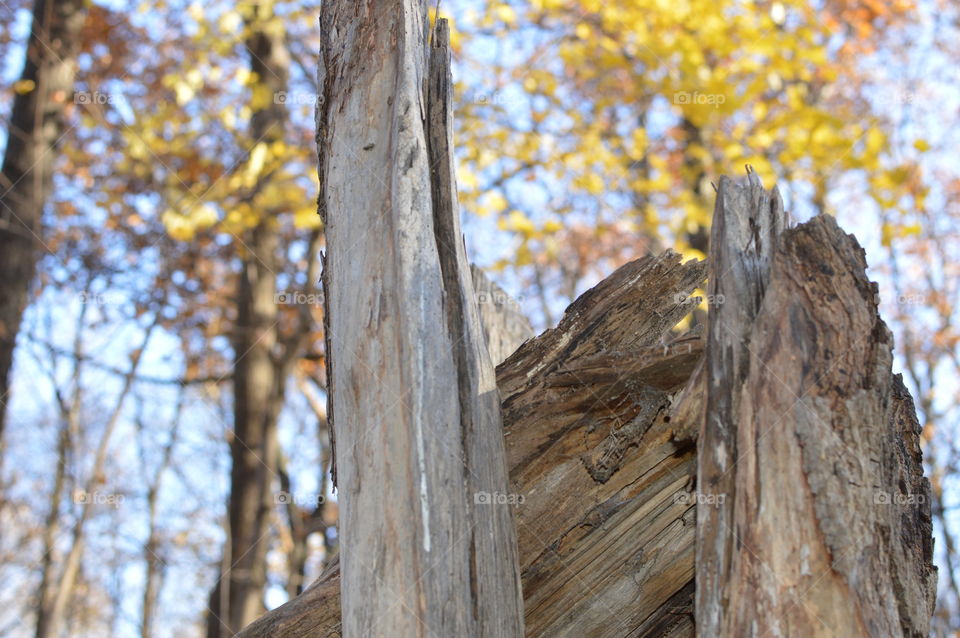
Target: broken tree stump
{"points": [[777, 460], [813, 512], [602, 416], [605, 510]]}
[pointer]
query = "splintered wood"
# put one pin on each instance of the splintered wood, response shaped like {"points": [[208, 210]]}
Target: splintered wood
{"points": [[618, 471], [812, 514], [604, 510]]}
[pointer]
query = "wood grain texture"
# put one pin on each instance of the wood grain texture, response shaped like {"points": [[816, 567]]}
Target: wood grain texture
{"points": [[415, 407], [610, 557], [494, 567], [606, 530], [813, 512], [746, 223]]}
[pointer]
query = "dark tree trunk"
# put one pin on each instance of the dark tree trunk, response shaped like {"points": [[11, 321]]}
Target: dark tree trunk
{"points": [[36, 126], [260, 365]]}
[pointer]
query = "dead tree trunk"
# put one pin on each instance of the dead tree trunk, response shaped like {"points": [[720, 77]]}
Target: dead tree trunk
{"points": [[36, 125], [601, 415], [813, 512], [423, 550]]}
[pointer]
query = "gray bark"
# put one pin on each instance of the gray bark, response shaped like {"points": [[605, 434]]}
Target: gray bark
{"points": [[413, 398]]}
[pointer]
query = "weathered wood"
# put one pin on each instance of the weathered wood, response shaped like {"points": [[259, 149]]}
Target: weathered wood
{"points": [[414, 403], [746, 222], [504, 324], [606, 530], [315, 613], [811, 515], [820, 521], [494, 575], [611, 557]]}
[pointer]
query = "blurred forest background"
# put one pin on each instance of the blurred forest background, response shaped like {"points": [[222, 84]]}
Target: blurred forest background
{"points": [[164, 457]]}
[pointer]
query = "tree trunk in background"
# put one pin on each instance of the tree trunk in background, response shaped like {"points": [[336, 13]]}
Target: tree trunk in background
{"points": [[36, 125], [813, 512], [257, 399], [415, 408], [260, 367]]}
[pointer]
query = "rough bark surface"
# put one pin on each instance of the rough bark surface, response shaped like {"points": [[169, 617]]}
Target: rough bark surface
{"points": [[605, 526], [414, 403], [825, 527], [36, 126]]}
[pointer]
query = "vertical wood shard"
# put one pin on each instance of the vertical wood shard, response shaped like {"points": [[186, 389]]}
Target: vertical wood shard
{"points": [[412, 389], [747, 220], [484, 463]]}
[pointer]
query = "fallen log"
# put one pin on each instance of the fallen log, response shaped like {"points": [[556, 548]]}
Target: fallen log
{"points": [[602, 487]]}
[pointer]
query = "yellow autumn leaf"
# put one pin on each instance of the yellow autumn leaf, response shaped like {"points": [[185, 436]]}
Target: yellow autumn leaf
{"points": [[494, 202], [593, 183], [203, 216], [184, 92], [178, 226], [230, 21], [518, 222], [875, 141], [552, 226], [258, 157], [466, 179], [22, 87], [910, 230], [506, 13], [306, 218]]}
